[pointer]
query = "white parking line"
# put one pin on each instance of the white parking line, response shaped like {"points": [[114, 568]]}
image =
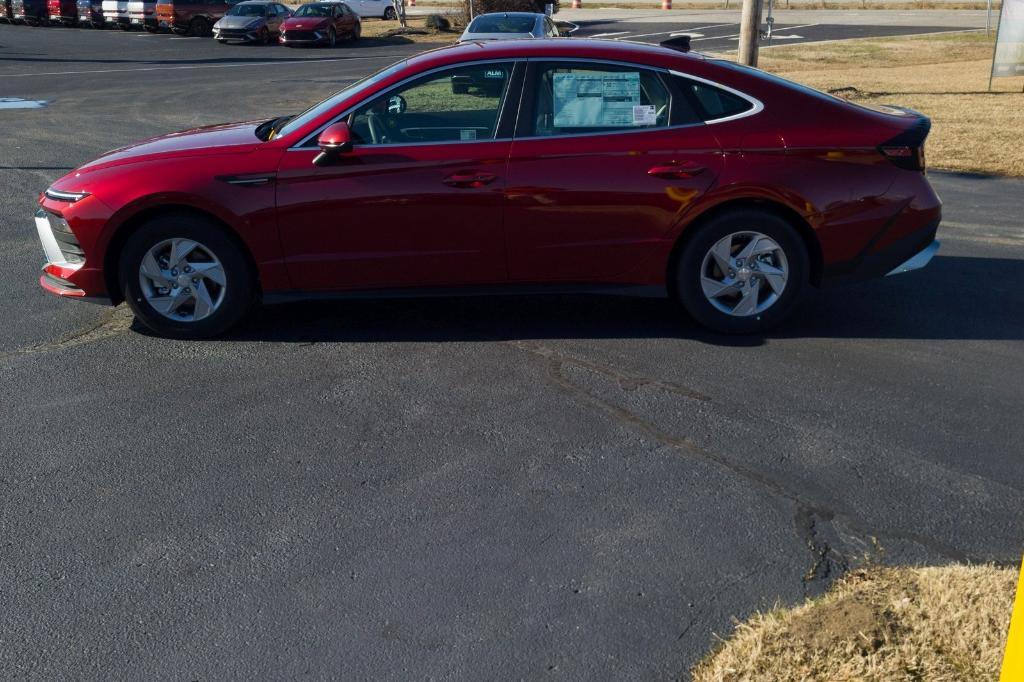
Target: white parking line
{"points": [[663, 33], [606, 35], [205, 66]]}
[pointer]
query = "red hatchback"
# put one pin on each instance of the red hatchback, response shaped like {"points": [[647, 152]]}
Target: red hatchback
{"points": [[561, 165]]}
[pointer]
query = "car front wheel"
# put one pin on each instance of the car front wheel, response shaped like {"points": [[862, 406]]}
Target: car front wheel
{"points": [[184, 277], [742, 272]]}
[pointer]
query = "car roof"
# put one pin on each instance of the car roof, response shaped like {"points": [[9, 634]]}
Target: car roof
{"points": [[580, 48], [508, 14]]}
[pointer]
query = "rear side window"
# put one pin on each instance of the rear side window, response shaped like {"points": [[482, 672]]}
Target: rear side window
{"points": [[714, 102], [572, 99]]}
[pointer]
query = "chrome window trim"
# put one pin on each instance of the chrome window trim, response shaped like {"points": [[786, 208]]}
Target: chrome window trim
{"points": [[300, 147], [757, 107]]}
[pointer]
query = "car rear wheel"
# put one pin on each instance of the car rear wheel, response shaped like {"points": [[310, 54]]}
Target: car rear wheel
{"points": [[389, 14], [357, 31], [198, 27], [184, 277], [742, 272], [332, 38]]}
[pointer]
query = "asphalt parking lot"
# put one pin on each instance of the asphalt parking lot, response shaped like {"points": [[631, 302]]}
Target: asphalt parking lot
{"points": [[569, 486]]}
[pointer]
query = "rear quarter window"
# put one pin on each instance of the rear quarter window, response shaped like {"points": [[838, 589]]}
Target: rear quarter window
{"points": [[714, 103]]}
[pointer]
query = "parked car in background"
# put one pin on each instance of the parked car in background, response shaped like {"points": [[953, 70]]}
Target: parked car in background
{"points": [[31, 12], [195, 17], [509, 26], [377, 9], [142, 14], [90, 13], [63, 12], [253, 21], [321, 23], [115, 14], [6, 14], [597, 166]]}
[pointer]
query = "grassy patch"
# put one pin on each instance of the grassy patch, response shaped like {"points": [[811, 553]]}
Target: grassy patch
{"points": [[392, 33], [944, 76], [941, 624]]}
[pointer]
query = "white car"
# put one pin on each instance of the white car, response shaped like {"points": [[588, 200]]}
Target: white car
{"points": [[509, 26], [142, 14], [380, 9], [115, 13]]}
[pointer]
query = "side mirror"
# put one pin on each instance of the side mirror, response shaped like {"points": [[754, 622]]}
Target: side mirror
{"points": [[335, 140], [396, 104]]}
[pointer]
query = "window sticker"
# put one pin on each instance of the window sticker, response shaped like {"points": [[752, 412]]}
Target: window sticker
{"points": [[467, 134], [494, 73], [598, 99], [644, 115]]}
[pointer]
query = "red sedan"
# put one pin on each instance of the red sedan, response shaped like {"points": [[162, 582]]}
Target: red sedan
{"points": [[559, 165], [320, 23]]}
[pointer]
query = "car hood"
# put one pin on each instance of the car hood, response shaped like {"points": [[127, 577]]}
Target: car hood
{"points": [[230, 138], [305, 23], [237, 22]]}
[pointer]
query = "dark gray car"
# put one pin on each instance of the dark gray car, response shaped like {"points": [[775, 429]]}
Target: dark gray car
{"points": [[254, 21]]}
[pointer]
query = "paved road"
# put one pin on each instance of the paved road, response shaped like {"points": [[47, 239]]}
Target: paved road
{"points": [[570, 486]]}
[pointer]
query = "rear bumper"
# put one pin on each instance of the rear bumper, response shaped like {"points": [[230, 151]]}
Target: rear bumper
{"points": [[911, 252]]}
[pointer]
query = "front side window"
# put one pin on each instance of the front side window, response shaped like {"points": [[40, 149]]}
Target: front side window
{"points": [[572, 99], [451, 105]]}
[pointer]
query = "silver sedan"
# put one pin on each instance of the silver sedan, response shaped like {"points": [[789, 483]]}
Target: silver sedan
{"points": [[509, 26]]}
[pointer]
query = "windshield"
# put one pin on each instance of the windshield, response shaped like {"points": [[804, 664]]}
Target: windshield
{"points": [[502, 23], [320, 109], [247, 11], [314, 11]]}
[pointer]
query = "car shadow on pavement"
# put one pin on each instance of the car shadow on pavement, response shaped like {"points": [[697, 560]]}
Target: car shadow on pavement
{"points": [[954, 298]]}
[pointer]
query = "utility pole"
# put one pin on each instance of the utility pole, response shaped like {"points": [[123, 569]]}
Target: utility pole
{"points": [[750, 26]]}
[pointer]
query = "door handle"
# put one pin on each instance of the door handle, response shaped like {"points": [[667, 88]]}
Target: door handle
{"points": [[676, 170], [469, 179]]}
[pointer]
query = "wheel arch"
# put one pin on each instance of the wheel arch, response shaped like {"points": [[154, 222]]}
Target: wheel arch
{"points": [[125, 230], [781, 210]]}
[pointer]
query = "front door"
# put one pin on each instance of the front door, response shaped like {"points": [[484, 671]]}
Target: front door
{"points": [[419, 199], [606, 159]]}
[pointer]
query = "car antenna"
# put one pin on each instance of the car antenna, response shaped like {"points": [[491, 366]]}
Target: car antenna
{"points": [[679, 43]]}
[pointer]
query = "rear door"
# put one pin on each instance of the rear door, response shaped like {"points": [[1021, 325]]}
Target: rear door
{"points": [[607, 158]]}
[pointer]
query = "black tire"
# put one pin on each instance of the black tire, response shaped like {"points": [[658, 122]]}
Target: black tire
{"points": [[389, 14], [264, 38], [687, 277], [332, 38], [151, 29], [356, 32], [239, 290], [199, 27]]}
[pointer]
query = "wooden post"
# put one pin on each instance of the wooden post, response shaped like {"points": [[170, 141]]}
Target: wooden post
{"points": [[750, 21]]}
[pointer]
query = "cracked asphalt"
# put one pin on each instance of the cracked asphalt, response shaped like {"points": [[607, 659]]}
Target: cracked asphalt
{"points": [[574, 487]]}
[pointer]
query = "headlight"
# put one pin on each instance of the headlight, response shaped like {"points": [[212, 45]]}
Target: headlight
{"points": [[71, 197]]}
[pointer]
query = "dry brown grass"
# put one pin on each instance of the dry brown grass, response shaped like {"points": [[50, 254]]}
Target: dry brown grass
{"points": [[391, 33], [943, 76], [941, 624]]}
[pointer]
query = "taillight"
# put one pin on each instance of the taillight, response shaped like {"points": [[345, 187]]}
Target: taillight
{"points": [[906, 150], [911, 158]]}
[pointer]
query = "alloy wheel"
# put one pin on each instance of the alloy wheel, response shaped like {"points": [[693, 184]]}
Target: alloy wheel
{"points": [[182, 279], [744, 273]]}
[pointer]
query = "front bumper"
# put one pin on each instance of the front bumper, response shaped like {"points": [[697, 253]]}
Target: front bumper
{"points": [[237, 35], [65, 272], [304, 38]]}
